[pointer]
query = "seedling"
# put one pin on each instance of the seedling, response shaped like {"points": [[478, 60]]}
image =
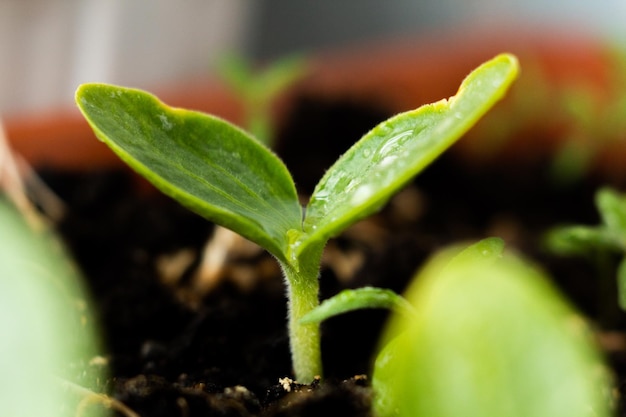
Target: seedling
{"points": [[257, 89], [226, 175], [490, 337], [598, 242]]}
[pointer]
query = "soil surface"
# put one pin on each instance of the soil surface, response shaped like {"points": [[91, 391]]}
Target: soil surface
{"points": [[186, 343]]}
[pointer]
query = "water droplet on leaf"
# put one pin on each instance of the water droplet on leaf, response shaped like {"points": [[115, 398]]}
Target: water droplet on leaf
{"points": [[165, 122], [362, 194]]}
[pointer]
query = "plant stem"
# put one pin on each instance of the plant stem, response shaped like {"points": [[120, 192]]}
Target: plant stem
{"points": [[303, 296]]}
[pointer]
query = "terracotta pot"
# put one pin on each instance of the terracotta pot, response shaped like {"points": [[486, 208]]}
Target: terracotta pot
{"points": [[398, 75]]}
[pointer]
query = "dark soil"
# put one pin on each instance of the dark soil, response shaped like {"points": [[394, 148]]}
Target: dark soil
{"points": [[223, 352]]}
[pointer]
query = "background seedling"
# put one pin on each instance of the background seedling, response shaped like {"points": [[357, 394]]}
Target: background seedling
{"points": [[490, 337], [582, 116], [598, 243], [258, 88], [226, 175], [595, 121]]}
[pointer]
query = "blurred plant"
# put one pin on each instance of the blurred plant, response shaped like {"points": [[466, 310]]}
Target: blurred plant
{"points": [[600, 243], [490, 337], [596, 120], [257, 89], [49, 337], [483, 334], [583, 117]]}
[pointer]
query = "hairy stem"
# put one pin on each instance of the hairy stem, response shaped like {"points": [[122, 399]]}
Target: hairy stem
{"points": [[303, 296]]}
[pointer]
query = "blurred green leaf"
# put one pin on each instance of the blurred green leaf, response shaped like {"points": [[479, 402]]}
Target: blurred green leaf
{"points": [[257, 88], [489, 339], [612, 208], [578, 240], [46, 329]]}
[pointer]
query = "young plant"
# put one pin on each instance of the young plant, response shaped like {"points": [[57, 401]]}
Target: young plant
{"points": [[257, 89], [490, 337], [226, 175], [598, 243]]}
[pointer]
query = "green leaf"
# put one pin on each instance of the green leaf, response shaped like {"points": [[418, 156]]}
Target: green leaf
{"points": [[46, 326], [489, 339], [612, 208], [487, 250], [356, 299], [588, 240], [391, 154], [204, 162], [579, 240]]}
